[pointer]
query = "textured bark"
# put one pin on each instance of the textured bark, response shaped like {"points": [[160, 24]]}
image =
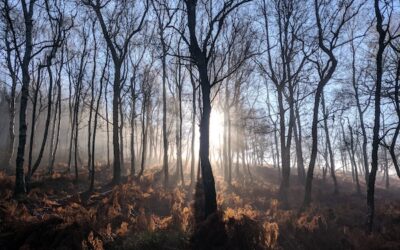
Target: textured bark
{"points": [[20, 188], [115, 116]]}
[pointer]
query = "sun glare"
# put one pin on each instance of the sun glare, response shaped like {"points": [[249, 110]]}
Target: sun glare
{"points": [[216, 129]]}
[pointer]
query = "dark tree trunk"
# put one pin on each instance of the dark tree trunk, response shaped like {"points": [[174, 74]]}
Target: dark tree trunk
{"points": [[375, 138], [206, 170], [360, 114], [145, 124], [115, 115], [229, 150], [199, 56], [96, 114], [47, 123], [314, 147], [353, 160], [118, 54], [133, 116], [20, 188], [121, 135], [33, 124], [53, 132], [329, 146], [58, 103], [397, 130], [299, 148], [325, 76], [107, 124], [180, 164], [91, 111], [164, 107], [71, 137], [193, 158]]}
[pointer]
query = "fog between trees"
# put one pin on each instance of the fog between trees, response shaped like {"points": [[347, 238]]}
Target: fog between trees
{"points": [[196, 89]]}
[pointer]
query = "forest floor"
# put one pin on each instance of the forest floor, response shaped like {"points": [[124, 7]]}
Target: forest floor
{"points": [[58, 213]]}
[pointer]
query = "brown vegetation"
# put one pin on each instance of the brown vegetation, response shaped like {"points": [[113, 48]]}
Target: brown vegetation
{"points": [[139, 214]]}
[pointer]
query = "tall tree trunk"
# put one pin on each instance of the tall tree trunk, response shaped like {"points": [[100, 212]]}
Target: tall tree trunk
{"points": [[328, 142], [193, 160], [325, 76], [145, 121], [392, 146], [11, 105], [180, 134], [76, 112], [386, 166], [58, 103], [314, 147], [225, 134], [229, 150], [353, 160], [96, 114], [360, 114], [375, 138], [285, 150], [178, 167], [71, 105], [20, 188], [206, 170], [91, 111], [53, 132], [107, 124], [71, 137], [48, 118], [115, 115], [164, 125], [299, 148], [121, 134], [133, 116], [33, 124]]}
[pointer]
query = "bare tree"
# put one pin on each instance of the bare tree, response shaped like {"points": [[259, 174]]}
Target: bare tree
{"points": [[284, 66], [30, 51], [327, 43], [111, 27], [201, 53], [164, 15], [384, 39]]}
